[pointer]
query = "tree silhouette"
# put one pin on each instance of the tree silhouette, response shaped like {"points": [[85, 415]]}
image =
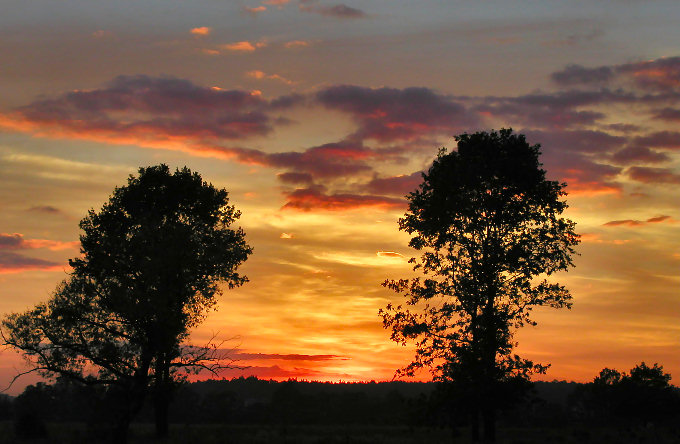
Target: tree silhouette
{"points": [[488, 223], [153, 260], [643, 395]]}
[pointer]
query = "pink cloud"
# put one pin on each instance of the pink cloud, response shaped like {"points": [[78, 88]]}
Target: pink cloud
{"points": [[255, 10], [389, 254], [201, 31], [243, 46]]}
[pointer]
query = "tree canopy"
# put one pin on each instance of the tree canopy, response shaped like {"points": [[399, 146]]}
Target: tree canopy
{"points": [[489, 226], [152, 264]]}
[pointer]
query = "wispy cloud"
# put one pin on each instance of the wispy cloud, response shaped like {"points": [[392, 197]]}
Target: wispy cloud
{"points": [[261, 75]]}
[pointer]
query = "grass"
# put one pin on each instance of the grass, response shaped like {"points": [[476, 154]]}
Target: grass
{"points": [[78, 433]]}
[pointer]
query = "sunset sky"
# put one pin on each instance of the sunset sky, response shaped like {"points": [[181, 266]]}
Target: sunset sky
{"points": [[318, 117]]}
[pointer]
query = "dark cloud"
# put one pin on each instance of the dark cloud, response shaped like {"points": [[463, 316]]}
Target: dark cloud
{"points": [[340, 10], [316, 198], [637, 223], [627, 222], [330, 160], [296, 178], [395, 185], [579, 141], [657, 219], [668, 114], [283, 357], [46, 209], [273, 372], [661, 74], [571, 156], [579, 75], [11, 241], [661, 139], [388, 114], [16, 241], [639, 154], [15, 263], [653, 175], [155, 108]]}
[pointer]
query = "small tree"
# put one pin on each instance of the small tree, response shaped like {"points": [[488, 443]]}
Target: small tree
{"points": [[153, 259], [488, 223]]}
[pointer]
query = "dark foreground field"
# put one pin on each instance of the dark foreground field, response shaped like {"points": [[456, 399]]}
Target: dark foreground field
{"points": [[75, 433]]}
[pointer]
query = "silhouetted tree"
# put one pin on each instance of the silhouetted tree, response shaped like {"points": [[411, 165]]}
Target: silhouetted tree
{"points": [[488, 223], [153, 259], [643, 395]]}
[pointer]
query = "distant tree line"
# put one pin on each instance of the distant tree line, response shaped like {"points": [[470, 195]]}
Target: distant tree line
{"points": [[642, 397]]}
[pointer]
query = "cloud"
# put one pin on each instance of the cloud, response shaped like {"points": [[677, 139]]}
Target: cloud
{"points": [[284, 357], [315, 198], [102, 34], [259, 75], [276, 2], [395, 185], [662, 74], [388, 114], [296, 44], [658, 74], [295, 178], [579, 75], [391, 254], [273, 372], [570, 156], [627, 222], [201, 31], [339, 11], [330, 160], [46, 209], [16, 241], [286, 236], [149, 111], [255, 10], [637, 223], [12, 262], [16, 263], [658, 219], [668, 114], [660, 139], [653, 175], [243, 46], [634, 154]]}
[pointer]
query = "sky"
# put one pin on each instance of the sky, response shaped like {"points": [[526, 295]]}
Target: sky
{"points": [[318, 118]]}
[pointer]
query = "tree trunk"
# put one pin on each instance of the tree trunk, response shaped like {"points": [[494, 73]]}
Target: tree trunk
{"points": [[162, 394], [119, 434], [474, 425], [161, 413], [489, 424]]}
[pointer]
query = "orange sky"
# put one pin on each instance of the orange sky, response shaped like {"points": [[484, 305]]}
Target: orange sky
{"points": [[318, 118]]}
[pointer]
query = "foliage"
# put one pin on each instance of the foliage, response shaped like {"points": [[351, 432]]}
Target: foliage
{"points": [[643, 395], [488, 223], [153, 259]]}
